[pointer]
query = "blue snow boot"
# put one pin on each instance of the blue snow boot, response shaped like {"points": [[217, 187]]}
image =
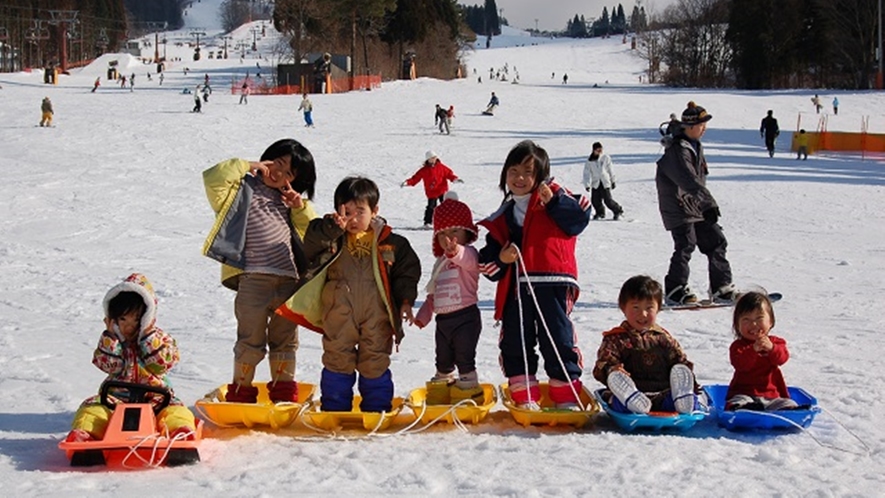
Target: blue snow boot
{"points": [[377, 393], [337, 391]]}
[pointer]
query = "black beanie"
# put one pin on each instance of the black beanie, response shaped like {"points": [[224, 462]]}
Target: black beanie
{"points": [[694, 114]]}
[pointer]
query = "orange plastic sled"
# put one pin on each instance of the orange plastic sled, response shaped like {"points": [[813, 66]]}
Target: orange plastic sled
{"points": [[132, 440]]}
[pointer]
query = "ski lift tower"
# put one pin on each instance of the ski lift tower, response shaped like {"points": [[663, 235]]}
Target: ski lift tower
{"points": [[226, 39], [197, 32], [254, 30], [61, 19], [156, 27], [35, 34]]}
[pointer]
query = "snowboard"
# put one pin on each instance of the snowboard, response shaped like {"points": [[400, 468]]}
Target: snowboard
{"points": [[421, 228], [708, 304]]}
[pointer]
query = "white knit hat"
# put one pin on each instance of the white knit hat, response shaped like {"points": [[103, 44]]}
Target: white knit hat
{"points": [[430, 155]]}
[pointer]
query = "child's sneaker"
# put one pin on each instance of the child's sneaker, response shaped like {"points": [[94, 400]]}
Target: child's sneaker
{"points": [[569, 406], [79, 436], [458, 394], [623, 387], [565, 395], [725, 294], [681, 295], [525, 392], [468, 381], [448, 378], [682, 388], [530, 406], [438, 393]]}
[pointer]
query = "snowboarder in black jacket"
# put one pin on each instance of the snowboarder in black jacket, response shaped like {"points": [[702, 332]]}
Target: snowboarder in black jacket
{"points": [[440, 119], [690, 213]]}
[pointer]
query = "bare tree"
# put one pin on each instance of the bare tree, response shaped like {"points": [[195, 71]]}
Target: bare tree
{"points": [[695, 51], [233, 14]]}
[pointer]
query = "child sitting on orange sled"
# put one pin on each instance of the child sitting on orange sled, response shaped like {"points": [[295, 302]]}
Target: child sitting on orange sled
{"points": [[133, 349]]}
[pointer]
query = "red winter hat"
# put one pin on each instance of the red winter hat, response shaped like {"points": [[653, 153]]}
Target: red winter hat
{"points": [[452, 213]]}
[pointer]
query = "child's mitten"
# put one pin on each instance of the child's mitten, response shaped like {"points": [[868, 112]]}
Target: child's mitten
{"points": [[158, 350]]}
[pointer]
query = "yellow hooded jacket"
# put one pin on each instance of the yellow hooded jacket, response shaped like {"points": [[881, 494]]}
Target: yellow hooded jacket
{"points": [[230, 195]]}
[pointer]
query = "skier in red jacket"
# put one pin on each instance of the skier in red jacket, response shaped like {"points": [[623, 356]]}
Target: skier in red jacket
{"points": [[436, 177]]}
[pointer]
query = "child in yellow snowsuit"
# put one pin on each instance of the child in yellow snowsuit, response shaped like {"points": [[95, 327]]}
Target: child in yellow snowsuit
{"points": [[133, 349], [46, 107]]}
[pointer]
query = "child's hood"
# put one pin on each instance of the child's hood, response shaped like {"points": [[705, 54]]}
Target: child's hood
{"points": [[139, 284]]}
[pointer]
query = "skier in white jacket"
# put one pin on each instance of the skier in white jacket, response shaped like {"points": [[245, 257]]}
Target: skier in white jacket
{"points": [[599, 180]]}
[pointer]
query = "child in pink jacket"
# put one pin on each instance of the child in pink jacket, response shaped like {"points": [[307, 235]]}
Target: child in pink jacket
{"points": [[452, 295]]}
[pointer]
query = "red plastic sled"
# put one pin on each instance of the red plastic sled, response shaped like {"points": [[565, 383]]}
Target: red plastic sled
{"points": [[132, 440]]}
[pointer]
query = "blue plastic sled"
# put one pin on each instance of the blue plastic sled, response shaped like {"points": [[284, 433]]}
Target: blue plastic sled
{"points": [[738, 420], [655, 421]]}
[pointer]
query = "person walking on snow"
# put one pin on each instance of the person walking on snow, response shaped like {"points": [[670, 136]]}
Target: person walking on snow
{"points": [[599, 180], [198, 105], [307, 107], [835, 105], [96, 84], [244, 93], [670, 128], [439, 119], [770, 131], [817, 105]]}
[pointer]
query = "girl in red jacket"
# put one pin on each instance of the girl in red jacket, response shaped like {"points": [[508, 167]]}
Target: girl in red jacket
{"points": [[542, 220], [756, 356], [436, 177]]}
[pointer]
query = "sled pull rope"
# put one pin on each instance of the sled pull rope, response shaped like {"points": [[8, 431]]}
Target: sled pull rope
{"points": [[812, 436], [531, 289], [154, 460], [408, 429], [525, 354]]}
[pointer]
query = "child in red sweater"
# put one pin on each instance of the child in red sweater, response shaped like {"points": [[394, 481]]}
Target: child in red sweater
{"points": [[756, 356], [436, 177]]}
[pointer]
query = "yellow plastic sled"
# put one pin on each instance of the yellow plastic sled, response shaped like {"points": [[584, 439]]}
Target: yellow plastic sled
{"points": [[371, 421], [549, 415], [465, 412], [215, 409]]}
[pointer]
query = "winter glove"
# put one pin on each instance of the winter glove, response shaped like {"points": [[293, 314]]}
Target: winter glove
{"points": [[587, 189], [425, 313], [458, 181], [613, 185], [711, 215], [403, 184], [108, 356], [159, 351]]}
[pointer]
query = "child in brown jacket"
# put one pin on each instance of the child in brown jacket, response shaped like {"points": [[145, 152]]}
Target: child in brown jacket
{"points": [[642, 365], [353, 254]]}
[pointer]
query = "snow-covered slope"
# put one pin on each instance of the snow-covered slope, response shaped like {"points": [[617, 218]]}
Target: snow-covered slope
{"points": [[115, 187]]}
